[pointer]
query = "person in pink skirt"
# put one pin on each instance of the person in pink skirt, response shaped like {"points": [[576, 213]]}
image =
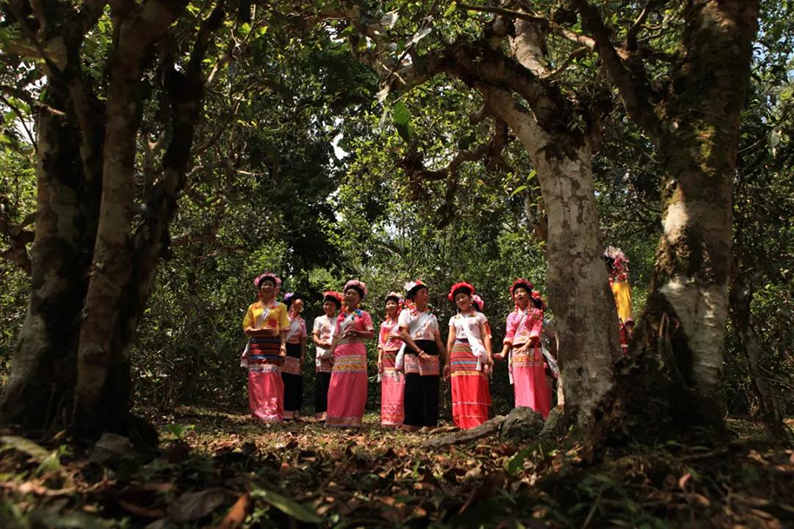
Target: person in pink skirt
{"points": [[347, 392], [392, 381], [265, 323], [470, 357], [522, 347]]}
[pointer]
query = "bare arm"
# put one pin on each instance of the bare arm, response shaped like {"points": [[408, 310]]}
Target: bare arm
{"points": [[451, 338]]}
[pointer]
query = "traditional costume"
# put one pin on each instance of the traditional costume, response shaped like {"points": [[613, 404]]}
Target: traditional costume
{"points": [[262, 356], [292, 370], [347, 392], [619, 282], [422, 375], [392, 381], [471, 395], [323, 329], [527, 365]]}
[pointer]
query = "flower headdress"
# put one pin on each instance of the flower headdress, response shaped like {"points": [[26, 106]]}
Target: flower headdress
{"points": [[360, 286], [618, 264], [412, 286], [478, 302], [333, 296], [462, 285], [521, 282], [395, 296], [271, 275]]}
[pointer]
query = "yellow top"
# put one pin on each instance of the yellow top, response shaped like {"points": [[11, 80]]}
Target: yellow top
{"points": [[622, 292], [277, 318]]}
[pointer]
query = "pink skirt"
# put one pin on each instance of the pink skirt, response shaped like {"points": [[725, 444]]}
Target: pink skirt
{"points": [[347, 393], [266, 392], [471, 395], [392, 391], [529, 380]]}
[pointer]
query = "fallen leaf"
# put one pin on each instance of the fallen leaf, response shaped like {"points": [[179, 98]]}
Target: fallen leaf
{"points": [[194, 505], [236, 515], [143, 512], [287, 506]]}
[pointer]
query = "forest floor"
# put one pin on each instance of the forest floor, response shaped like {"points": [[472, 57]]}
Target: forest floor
{"points": [[223, 470]]}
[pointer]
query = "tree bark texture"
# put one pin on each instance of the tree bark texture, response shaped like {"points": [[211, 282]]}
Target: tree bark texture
{"points": [[91, 274], [698, 148], [43, 364], [578, 290], [695, 126]]}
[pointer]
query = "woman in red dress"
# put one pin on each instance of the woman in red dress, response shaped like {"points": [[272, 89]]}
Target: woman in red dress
{"points": [[392, 381]]}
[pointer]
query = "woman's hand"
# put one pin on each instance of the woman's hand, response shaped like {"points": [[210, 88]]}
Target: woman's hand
{"points": [[499, 356], [447, 372], [283, 351]]}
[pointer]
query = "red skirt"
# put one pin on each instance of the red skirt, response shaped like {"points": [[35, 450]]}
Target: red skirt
{"points": [[529, 380], [471, 395], [347, 392]]}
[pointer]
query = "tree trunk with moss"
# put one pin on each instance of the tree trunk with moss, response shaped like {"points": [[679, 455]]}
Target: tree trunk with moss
{"points": [[695, 126]]}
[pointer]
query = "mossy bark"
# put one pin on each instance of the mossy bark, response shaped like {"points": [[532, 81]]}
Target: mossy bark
{"points": [[680, 338]]}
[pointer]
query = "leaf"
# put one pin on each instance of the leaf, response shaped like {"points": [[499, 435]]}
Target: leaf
{"points": [[390, 19], [419, 35], [24, 445], [195, 505], [518, 190], [50, 464], [451, 9], [516, 462], [532, 174], [287, 506], [402, 120], [773, 139], [236, 515]]}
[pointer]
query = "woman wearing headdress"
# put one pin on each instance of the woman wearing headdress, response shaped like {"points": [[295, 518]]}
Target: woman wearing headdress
{"points": [[423, 355], [265, 323], [470, 359], [392, 382], [322, 333], [347, 392], [292, 370], [527, 364], [618, 268]]}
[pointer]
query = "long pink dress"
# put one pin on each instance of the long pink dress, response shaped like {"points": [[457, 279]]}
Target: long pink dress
{"points": [[347, 393], [392, 382], [528, 368]]}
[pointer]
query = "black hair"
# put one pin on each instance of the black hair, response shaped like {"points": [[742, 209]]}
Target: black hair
{"points": [[393, 297], [293, 298], [537, 302], [333, 299], [463, 288], [411, 293], [266, 278], [357, 289]]}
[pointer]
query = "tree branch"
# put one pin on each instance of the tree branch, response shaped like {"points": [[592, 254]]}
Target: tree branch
{"points": [[634, 90]]}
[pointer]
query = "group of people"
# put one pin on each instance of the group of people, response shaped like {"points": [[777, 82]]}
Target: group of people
{"points": [[412, 357]]}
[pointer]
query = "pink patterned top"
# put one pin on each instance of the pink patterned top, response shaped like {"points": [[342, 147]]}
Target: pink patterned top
{"points": [[531, 326], [389, 336], [361, 322], [300, 334]]}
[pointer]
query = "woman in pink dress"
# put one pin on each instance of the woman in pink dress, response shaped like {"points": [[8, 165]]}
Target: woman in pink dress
{"points": [[522, 346], [347, 393], [265, 324], [470, 358], [392, 382]]}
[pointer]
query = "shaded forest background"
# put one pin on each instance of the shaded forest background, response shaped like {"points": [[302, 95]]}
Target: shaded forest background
{"points": [[300, 167]]}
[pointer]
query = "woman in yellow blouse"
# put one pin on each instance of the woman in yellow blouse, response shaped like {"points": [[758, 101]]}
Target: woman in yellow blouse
{"points": [[266, 324]]}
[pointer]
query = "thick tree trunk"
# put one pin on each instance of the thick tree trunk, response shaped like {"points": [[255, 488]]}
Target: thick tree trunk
{"points": [[578, 288], [698, 149], [43, 366], [103, 390]]}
